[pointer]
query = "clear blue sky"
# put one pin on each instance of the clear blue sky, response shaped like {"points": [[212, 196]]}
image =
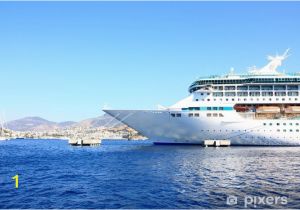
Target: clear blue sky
{"points": [[65, 60]]}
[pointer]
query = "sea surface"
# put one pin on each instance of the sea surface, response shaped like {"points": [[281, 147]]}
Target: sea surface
{"points": [[128, 174]]}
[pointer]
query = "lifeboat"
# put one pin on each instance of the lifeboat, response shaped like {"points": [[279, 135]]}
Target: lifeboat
{"points": [[240, 108], [268, 109], [292, 109]]}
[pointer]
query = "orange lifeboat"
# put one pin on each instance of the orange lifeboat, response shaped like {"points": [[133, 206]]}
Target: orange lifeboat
{"points": [[292, 109], [268, 109], [241, 108]]}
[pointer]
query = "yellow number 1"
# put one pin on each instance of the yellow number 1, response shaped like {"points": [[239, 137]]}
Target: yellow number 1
{"points": [[16, 178]]}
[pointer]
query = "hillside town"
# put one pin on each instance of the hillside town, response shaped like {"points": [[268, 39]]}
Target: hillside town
{"points": [[119, 132]]}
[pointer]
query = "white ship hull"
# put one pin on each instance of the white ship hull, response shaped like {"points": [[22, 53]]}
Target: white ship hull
{"points": [[161, 128], [258, 108]]}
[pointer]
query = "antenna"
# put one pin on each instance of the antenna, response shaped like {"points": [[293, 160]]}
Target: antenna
{"points": [[285, 54]]}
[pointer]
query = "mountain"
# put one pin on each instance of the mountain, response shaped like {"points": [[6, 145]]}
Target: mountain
{"points": [[30, 123], [40, 124], [66, 124]]}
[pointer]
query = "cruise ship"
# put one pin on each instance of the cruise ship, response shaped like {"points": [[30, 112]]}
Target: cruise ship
{"points": [[261, 107]]}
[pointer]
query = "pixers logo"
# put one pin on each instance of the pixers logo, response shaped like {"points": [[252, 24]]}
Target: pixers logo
{"points": [[259, 201], [251, 201]]}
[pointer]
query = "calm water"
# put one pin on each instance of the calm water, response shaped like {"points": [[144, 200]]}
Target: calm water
{"points": [[53, 174]]}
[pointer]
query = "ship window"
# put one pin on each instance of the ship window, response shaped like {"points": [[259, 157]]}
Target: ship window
{"points": [[208, 99], [278, 123], [218, 94], [291, 130], [293, 93], [173, 115], [270, 124], [283, 99], [202, 94], [208, 114], [197, 99], [291, 123], [297, 123], [278, 130], [178, 115], [229, 87], [254, 94], [208, 108], [267, 93], [230, 94], [245, 99], [296, 99], [284, 123], [242, 87], [197, 115], [266, 87], [265, 123], [284, 130], [226, 99], [208, 94], [221, 108], [292, 87], [221, 115], [215, 115], [215, 108], [242, 94], [279, 87], [280, 93], [190, 114], [254, 87], [297, 130]]}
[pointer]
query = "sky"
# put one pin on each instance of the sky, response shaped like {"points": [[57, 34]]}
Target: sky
{"points": [[67, 60]]}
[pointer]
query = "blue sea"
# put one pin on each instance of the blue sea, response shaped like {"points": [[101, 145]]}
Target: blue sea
{"points": [[128, 174]]}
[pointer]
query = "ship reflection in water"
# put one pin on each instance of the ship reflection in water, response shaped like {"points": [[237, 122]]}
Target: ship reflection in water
{"points": [[134, 174]]}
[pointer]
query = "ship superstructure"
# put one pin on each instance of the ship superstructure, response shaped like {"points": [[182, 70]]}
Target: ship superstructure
{"points": [[258, 108]]}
